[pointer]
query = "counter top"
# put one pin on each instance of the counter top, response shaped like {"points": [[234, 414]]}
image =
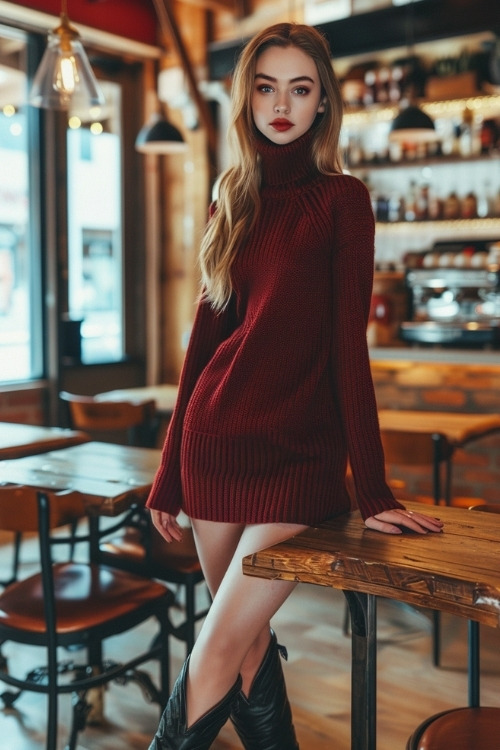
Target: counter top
{"points": [[435, 354]]}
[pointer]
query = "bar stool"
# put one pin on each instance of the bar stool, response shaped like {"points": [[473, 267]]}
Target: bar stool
{"points": [[473, 727]]}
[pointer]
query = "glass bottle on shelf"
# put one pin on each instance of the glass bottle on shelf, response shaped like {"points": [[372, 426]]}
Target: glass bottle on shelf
{"points": [[422, 203], [434, 206], [468, 208], [411, 202], [451, 207]]}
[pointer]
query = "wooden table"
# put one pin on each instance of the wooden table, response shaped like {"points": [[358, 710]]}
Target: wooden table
{"points": [[458, 428], [164, 394], [17, 440], [457, 572], [110, 476]]}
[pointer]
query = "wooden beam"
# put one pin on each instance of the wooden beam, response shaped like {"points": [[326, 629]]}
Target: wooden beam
{"points": [[170, 28], [217, 6]]}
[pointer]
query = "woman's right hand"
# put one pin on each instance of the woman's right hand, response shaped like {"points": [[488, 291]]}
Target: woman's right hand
{"points": [[167, 525]]}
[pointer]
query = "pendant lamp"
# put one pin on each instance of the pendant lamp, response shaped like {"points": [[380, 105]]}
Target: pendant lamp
{"points": [[64, 78], [413, 125], [159, 136]]}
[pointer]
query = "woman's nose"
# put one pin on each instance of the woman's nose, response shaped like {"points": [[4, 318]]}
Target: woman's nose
{"points": [[281, 107]]}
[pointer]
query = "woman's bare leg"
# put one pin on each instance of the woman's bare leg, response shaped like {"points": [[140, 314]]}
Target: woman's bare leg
{"points": [[235, 634]]}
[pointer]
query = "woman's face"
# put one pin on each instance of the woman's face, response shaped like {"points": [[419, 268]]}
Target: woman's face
{"points": [[287, 94]]}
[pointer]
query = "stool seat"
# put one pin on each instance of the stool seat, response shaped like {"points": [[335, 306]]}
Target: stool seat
{"points": [[458, 729], [177, 556], [87, 596], [138, 547]]}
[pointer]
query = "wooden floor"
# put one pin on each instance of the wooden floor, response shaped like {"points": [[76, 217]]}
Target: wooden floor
{"points": [[317, 673]]}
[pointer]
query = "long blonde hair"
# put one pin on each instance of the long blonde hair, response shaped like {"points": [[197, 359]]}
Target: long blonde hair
{"points": [[238, 200]]}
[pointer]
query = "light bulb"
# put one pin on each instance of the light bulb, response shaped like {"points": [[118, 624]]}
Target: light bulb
{"points": [[66, 75]]}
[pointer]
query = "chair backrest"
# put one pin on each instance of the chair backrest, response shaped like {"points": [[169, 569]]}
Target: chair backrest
{"points": [[414, 448], [408, 448], [487, 507], [19, 508], [137, 419]]}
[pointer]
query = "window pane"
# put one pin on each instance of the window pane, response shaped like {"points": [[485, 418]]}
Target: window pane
{"points": [[20, 342], [95, 230]]}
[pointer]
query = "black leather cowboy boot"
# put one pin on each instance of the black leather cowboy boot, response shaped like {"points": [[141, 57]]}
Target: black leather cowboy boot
{"points": [[263, 721], [172, 733]]}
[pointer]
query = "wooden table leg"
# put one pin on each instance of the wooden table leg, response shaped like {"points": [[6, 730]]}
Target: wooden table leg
{"points": [[363, 609]]}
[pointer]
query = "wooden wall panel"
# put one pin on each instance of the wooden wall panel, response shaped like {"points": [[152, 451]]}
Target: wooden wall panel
{"points": [[185, 200]]}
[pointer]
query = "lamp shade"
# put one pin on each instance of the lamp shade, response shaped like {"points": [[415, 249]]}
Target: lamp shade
{"points": [[159, 136], [64, 78], [412, 125]]}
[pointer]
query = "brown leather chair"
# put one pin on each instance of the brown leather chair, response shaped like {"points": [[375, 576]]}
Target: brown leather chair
{"points": [[70, 605], [138, 547], [133, 422]]}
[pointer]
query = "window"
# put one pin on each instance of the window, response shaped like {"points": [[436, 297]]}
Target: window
{"points": [[95, 230], [63, 242], [20, 282]]}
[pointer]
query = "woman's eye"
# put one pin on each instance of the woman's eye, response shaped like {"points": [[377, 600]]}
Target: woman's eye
{"points": [[265, 88], [301, 91]]}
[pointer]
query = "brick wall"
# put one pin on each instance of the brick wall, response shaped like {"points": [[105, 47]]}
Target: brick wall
{"points": [[446, 387]]}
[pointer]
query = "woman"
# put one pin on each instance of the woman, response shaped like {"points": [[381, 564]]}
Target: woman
{"points": [[276, 392]]}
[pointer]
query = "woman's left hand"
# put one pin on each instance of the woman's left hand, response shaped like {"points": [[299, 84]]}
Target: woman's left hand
{"points": [[395, 520]]}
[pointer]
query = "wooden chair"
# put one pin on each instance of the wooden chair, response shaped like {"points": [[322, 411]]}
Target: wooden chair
{"points": [[138, 547], [72, 604], [427, 449], [16, 558], [137, 421], [473, 727]]}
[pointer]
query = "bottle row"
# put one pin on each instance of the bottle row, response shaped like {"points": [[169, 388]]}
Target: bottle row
{"points": [[422, 203], [376, 82], [470, 137]]}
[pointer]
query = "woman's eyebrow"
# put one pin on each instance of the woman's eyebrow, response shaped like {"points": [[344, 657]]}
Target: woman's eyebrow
{"points": [[292, 80]]}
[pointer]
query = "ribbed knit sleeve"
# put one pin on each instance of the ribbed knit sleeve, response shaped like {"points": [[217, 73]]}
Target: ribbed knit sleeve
{"points": [[353, 262], [209, 330]]}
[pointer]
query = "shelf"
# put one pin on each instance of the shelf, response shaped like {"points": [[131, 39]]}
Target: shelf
{"points": [[453, 225], [434, 354], [435, 161], [486, 104]]}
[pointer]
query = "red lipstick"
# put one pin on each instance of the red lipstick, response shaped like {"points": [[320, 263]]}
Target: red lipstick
{"points": [[281, 124]]}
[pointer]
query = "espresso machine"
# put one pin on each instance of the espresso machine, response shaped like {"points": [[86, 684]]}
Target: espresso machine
{"points": [[454, 296]]}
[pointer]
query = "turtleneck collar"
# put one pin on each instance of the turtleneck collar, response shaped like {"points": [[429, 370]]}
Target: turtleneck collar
{"points": [[283, 165]]}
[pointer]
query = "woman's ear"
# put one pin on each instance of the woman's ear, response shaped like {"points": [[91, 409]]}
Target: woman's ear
{"points": [[322, 105]]}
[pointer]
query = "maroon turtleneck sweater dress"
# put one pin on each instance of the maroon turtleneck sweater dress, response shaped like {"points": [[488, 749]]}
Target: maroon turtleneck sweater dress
{"points": [[276, 391]]}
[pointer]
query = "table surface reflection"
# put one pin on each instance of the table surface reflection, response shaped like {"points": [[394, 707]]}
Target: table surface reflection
{"points": [[111, 476], [17, 440]]}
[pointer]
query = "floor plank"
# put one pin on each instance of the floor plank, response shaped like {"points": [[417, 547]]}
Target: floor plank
{"points": [[317, 673]]}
